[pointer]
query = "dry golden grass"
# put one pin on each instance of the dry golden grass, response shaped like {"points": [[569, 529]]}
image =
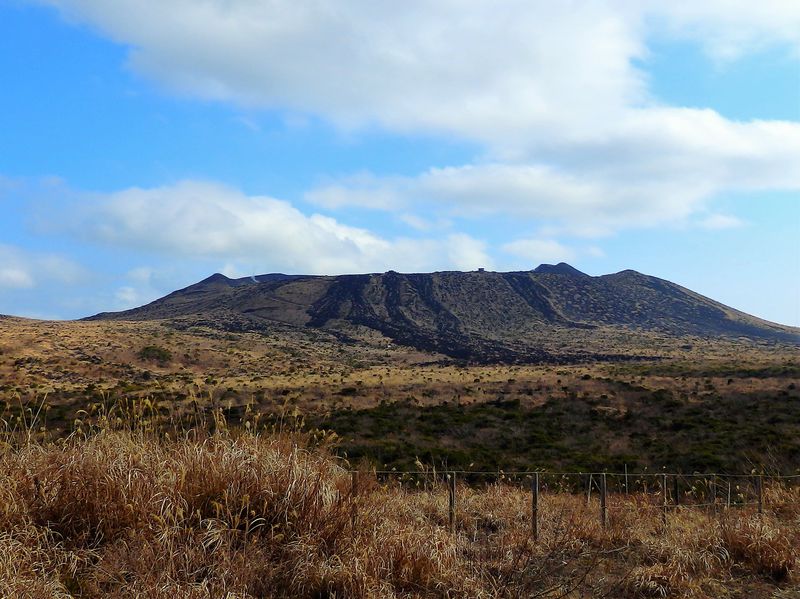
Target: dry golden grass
{"points": [[137, 503], [133, 514], [61, 357]]}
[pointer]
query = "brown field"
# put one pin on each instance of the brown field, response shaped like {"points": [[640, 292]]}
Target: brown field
{"points": [[700, 406], [126, 514], [139, 460], [63, 358]]}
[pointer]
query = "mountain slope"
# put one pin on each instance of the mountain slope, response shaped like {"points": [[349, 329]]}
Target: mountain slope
{"points": [[487, 316]]}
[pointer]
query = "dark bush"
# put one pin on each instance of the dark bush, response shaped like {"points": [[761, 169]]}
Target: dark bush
{"points": [[154, 353]]}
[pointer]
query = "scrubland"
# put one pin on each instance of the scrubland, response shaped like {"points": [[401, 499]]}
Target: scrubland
{"points": [[689, 405], [137, 460], [128, 513]]}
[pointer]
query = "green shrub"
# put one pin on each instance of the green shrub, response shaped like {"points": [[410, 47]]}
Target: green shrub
{"points": [[155, 353]]}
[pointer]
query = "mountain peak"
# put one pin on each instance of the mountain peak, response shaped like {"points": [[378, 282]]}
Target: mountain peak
{"points": [[497, 317], [217, 277], [628, 273], [562, 268]]}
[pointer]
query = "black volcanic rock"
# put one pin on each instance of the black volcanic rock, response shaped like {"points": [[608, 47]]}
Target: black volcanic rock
{"points": [[562, 268], [220, 279], [488, 316], [216, 279]]}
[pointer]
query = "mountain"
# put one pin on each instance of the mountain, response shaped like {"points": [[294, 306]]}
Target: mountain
{"points": [[552, 313]]}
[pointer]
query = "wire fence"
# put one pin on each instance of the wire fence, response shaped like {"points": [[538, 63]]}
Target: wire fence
{"points": [[666, 492]]}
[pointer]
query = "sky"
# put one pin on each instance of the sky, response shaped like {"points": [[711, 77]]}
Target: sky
{"points": [[146, 144]]}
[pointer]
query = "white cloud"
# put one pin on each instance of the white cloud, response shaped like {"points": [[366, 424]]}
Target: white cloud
{"points": [[22, 269], [205, 220], [142, 285], [475, 69], [720, 221], [232, 271], [660, 166], [127, 297], [570, 132], [14, 277], [416, 222], [480, 70], [466, 253], [425, 224], [729, 28]]}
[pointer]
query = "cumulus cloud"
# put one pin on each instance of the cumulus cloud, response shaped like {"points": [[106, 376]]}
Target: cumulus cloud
{"points": [[14, 277], [729, 28], [660, 166], [720, 221], [556, 98], [476, 69], [22, 269], [466, 253], [206, 220], [141, 285], [482, 70], [128, 297]]}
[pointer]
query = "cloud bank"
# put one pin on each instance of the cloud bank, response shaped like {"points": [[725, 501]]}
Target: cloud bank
{"points": [[651, 172], [554, 92], [206, 220], [478, 69]]}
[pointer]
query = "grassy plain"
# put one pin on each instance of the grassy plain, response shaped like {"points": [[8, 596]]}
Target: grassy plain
{"points": [[692, 405], [133, 514], [143, 460]]}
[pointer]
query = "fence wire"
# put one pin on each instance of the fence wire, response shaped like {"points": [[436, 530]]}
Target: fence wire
{"points": [[662, 491]]}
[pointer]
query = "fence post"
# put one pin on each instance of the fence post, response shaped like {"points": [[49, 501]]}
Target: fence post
{"points": [[664, 496], [676, 492], [626, 479], [589, 490], [452, 502], [728, 504], [603, 512], [714, 493], [759, 490], [535, 506]]}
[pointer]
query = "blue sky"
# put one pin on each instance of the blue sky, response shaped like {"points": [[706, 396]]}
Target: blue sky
{"points": [[145, 145]]}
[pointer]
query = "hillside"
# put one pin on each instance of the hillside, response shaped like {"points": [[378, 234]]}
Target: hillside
{"points": [[527, 316]]}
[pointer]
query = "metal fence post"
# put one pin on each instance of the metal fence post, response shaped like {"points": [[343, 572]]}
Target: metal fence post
{"points": [[603, 511], [626, 479], [759, 490], [535, 506], [452, 502], [714, 493]]}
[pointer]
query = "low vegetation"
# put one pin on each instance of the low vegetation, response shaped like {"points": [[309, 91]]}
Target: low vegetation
{"points": [[127, 513], [573, 430], [155, 353], [713, 407], [150, 460]]}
